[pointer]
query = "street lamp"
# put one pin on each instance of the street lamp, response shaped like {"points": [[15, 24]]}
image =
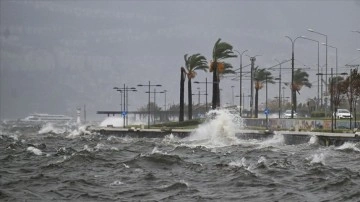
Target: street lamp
{"points": [[318, 65], [280, 83], [326, 55], [149, 85], [252, 60], [125, 90], [154, 101], [292, 75], [206, 82], [241, 54]]}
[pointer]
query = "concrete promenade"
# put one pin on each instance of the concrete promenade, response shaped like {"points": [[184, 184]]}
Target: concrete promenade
{"points": [[290, 137]]}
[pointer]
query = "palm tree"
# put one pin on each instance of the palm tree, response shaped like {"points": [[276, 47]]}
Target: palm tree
{"points": [[182, 84], [261, 76], [300, 80], [221, 51], [192, 64]]}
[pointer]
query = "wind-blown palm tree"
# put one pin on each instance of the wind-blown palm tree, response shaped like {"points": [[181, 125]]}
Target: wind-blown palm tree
{"points": [[192, 64], [261, 76], [221, 51], [300, 80]]}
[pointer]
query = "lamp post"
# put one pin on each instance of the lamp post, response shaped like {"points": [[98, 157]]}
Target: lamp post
{"points": [[292, 75], [149, 85], [280, 84], [318, 70], [155, 92], [326, 55], [206, 94], [240, 77], [252, 60], [125, 90]]}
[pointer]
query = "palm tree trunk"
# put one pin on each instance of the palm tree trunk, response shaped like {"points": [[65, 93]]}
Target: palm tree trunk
{"points": [[256, 102], [182, 84], [190, 100], [215, 87]]}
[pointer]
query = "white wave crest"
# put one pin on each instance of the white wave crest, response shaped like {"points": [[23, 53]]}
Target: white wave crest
{"points": [[348, 146], [157, 151], [317, 158], [238, 163], [50, 128], [81, 130], [116, 183], [277, 139], [217, 132], [34, 150]]}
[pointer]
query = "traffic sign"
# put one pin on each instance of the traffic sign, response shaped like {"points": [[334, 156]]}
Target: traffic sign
{"points": [[267, 111]]}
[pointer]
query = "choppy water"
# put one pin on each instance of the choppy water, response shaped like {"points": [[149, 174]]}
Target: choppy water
{"points": [[60, 163]]}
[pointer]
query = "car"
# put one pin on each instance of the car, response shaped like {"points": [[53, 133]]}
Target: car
{"points": [[343, 114], [287, 114]]}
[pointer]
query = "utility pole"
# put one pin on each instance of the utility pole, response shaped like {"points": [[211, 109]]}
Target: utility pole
{"points": [[252, 60]]}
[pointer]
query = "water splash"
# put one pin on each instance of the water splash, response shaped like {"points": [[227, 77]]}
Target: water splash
{"points": [[81, 130], [277, 139], [313, 140], [218, 131], [34, 150], [348, 146], [317, 158], [114, 121], [50, 128]]}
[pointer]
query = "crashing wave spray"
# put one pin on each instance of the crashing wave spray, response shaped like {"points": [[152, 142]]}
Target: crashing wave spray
{"points": [[218, 130]]}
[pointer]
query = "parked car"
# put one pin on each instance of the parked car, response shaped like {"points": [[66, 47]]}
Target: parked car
{"points": [[343, 114], [287, 114]]}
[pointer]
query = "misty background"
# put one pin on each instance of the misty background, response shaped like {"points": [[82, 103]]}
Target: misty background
{"points": [[56, 56]]}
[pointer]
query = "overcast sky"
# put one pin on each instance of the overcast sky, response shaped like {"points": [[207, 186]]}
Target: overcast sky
{"points": [[58, 55]]}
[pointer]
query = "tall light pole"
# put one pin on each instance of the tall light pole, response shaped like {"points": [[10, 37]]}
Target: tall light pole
{"points": [[292, 75], [252, 60], [279, 86], [326, 56], [155, 92], [125, 90], [240, 78], [149, 85], [318, 70], [206, 92]]}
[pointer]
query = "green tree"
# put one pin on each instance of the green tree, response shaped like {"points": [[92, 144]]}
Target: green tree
{"points": [[300, 80], [193, 63], [261, 77], [221, 51]]}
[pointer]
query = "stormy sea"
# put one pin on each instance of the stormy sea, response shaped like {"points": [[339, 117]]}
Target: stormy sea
{"points": [[68, 163]]}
